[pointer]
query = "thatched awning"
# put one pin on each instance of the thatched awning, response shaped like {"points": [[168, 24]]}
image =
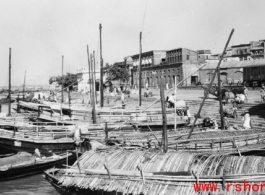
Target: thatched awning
{"points": [[161, 173]]}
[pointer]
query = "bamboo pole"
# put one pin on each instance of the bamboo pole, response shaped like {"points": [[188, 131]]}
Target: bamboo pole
{"points": [[140, 71], [9, 85], [219, 63], [93, 91], [175, 111], [62, 79], [220, 98], [92, 86], [89, 76], [137, 114], [94, 72], [164, 135], [24, 84], [101, 71], [69, 101]]}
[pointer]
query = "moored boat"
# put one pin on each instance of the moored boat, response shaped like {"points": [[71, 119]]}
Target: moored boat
{"points": [[145, 172], [24, 164], [46, 142]]}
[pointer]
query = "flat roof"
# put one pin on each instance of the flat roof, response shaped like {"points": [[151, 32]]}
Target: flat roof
{"points": [[241, 45], [235, 64], [147, 52], [182, 49]]}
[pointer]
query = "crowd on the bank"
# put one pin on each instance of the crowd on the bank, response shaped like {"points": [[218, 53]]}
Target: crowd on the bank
{"points": [[228, 111]]}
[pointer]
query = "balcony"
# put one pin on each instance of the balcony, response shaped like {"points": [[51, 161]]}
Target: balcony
{"points": [[257, 53], [257, 48]]}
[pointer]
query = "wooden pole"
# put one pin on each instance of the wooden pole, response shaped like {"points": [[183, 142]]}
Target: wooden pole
{"points": [[220, 99], [94, 72], [93, 91], [24, 84], [175, 111], [9, 85], [101, 71], [69, 101], [106, 131], [197, 115], [89, 76], [140, 71], [164, 116], [159, 98], [62, 79]]}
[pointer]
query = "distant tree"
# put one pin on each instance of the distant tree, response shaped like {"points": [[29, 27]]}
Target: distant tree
{"points": [[67, 80], [117, 73], [106, 68]]}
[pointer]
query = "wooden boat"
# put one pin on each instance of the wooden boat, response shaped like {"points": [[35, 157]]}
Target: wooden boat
{"points": [[207, 141], [6, 101], [83, 111], [25, 99], [145, 172], [24, 164], [46, 142]]}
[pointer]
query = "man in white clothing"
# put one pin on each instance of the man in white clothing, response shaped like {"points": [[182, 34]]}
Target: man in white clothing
{"points": [[171, 100]]}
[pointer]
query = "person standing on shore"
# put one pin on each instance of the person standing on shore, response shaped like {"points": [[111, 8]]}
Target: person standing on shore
{"points": [[246, 121], [262, 92]]}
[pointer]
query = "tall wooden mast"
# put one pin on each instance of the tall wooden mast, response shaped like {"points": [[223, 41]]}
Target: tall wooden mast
{"points": [[164, 117], [210, 85], [220, 97], [94, 72], [89, 76], [24, 84], [9, 85], [93, 88], [101, 71], [62, 79], [140, 71]]}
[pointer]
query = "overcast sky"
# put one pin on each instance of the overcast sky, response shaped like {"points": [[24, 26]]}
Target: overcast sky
{"points": [[40, 32]]}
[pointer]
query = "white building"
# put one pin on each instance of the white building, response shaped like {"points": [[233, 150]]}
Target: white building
{"points": [[83, 78]]}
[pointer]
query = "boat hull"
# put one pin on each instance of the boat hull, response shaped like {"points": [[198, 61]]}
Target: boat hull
{"points": [[46, 148], [6, 101], [49, 176], [24, 171]]}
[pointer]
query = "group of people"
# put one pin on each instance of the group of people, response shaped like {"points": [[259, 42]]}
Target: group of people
{"points": [[181, 106]]}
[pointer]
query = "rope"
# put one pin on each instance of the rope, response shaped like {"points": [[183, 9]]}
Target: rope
{"points": [[158, 98], [144, 15]]}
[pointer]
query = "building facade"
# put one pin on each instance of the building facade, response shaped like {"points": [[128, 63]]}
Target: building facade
{"points": [[257, 49], [241, 52], [229, 76], [169, 66], [84, 81]]}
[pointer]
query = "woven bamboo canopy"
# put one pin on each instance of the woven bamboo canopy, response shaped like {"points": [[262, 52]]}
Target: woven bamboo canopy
{"points": [[144, 172]]}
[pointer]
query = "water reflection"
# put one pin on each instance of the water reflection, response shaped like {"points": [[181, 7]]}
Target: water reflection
{"points": [[29, 186], [32, 185]]}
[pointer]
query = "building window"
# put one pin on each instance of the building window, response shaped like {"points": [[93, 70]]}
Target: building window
{"points": [[173, 70], [188, 57]]}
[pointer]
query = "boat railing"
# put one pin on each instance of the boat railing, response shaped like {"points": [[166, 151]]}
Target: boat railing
{"points": [[36, 135], [219, 143]]}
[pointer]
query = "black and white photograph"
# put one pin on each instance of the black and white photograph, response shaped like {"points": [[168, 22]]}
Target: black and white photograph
{"points": [[142, 97]]}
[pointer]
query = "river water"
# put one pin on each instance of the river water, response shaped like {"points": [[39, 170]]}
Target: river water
{"points": [[32, 185]]}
